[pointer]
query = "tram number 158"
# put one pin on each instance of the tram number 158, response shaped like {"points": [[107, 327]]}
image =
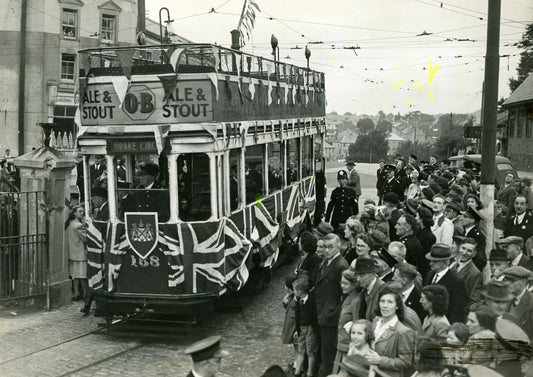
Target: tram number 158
{"points": [[153, 261]]}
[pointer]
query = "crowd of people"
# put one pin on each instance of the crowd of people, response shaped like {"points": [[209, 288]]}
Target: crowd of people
{"points": [[405, 287]]}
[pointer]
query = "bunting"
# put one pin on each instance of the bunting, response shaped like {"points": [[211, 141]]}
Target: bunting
{"points": [[169, 85], [214, 80], [160, 134], [121, 85], [174, 58], [125, 57], [247, 19], [251, 88]]}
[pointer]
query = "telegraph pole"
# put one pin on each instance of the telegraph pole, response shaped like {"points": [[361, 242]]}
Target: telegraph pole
{"points": [[490, 114]]}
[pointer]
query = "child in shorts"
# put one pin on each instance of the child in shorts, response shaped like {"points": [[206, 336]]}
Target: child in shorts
{"points": [[306, 323]]}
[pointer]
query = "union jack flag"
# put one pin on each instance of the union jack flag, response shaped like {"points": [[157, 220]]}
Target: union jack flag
{"points": [[266, 235], [95, 256]]}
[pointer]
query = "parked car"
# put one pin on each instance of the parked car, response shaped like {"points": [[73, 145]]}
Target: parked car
{"points": [[503, 165]]}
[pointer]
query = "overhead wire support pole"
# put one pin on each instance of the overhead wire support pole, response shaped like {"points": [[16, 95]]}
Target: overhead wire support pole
{"points": [[490, 114]]}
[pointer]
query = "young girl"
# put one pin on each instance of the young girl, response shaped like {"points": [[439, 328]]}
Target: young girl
{"points": [[361, 336]]}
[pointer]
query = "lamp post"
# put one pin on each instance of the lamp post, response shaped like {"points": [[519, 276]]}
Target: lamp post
{"points": [[275, 52], [168, 23], [307, 56]]}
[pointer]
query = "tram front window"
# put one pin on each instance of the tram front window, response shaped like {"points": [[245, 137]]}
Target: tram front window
{"points": [[307, 156], [293, 161], [275, 169], [235, 179], [194, 187], [253, 158], [142, 185]]}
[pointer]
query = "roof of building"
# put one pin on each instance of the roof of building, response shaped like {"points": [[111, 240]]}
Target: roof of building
{"points": [[328, 145], [394, 137], [523, 93]]}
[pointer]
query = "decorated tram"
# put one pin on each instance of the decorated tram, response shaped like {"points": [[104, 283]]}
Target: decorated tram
{"points": [[198, 160]]}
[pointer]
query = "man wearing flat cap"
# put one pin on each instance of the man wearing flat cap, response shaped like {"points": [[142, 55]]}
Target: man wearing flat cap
{"points": [[392, 184], [354, 181], [522, 306], [343, 202], [514, 247], [206, 357], [439, 259]]}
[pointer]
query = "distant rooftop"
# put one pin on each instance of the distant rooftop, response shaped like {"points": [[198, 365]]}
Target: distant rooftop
{"points": [[523, 93]]}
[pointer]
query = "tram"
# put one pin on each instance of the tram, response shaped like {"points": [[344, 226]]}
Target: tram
{"points": [[205, 157]]}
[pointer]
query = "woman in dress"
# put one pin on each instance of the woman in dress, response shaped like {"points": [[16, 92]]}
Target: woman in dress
{"points": [[77, 249], [349, 307], [394, 343], [425, 236], [352, 229], [414, 190], [434, 299]]}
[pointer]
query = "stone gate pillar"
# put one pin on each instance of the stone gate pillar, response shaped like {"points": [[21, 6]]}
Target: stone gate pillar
{"points": [[49, 170]]}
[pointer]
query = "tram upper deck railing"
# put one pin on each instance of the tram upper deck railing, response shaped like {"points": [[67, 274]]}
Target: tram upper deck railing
{"points": [[191, 83]]}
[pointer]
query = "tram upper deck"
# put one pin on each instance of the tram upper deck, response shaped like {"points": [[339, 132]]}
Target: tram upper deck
{"points": [[191, 83]]}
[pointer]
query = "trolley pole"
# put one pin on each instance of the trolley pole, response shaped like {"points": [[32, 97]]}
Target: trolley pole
{"points": [[489, 112]]}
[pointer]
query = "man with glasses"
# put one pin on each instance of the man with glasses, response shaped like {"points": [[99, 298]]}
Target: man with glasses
{"points": [[522, 305], [206, 357], [328, 292]]}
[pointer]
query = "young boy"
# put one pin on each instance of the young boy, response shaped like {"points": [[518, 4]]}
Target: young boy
{"points": [[307, 343]]}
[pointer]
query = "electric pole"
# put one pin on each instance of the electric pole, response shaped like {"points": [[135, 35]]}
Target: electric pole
{"points": [[490, 114]]}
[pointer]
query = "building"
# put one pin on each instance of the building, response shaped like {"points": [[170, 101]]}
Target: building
{"points": [[394, 142], [520, 124], [38, 61]]}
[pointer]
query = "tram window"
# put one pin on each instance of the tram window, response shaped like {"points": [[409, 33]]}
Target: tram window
{"points": [[254, 173], [307, 156], [318, 152], [194, 187], [275, 168], [98, 171], [235, 178], [293, 161], [145, 187]]}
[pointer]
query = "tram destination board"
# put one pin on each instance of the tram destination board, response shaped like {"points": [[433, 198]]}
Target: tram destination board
{"points": [[131, 146], [110, 103]]}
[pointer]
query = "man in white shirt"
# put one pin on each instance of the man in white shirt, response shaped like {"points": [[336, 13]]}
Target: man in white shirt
{"points": [[443, 227]]}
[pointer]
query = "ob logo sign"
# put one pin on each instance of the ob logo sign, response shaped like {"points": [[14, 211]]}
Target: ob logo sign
{"points": [[139, 102]]}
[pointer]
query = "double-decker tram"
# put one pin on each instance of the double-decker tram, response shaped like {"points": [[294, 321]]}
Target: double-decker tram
{"points": [[197, 159]]}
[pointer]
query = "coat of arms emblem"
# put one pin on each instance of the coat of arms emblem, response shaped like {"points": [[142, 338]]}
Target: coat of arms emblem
{"points": [[142, 232]]}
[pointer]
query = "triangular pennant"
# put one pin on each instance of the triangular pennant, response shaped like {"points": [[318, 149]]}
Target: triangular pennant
{"points": [[82, 87], [286, 92], [125, 57], [84, 62], [293, 95], [214, 80], [251, 88], [216, 51], [174, 58], [169, 84], [160, 134], [278, 97], [121, 85], [269, 93]]}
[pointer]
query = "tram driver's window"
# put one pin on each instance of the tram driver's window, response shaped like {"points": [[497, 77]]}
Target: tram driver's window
{"points": [[307, 156], [293, 161], [275, 168], [235, 179], [97, 181], [253, 158], [194, 187], [142, 185]]}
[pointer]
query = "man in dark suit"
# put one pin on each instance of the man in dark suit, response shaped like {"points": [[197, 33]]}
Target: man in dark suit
{"points": [[522, 306], [471, 219], [97, 169], [100, 206], [406, 275], [467, 271], [405, 230], [381, 179], [521, 223], [440, 273], [391, 201], [514, 247], [507, 193], [327, 291], [150, 197], [366, 271], [206, 357]]}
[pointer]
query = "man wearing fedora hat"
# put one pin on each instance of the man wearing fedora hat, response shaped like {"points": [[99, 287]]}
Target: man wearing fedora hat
{"points": [[354, 180], [498, 263], [206, 357], [366, 270], [439, 258], [522, 305], [99, 204], [497, 296]]}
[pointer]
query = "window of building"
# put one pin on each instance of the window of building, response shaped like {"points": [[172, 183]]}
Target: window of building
{"points": [[69, 23], [68, 63], [109, 28], [512, 120], [528, 122], [520, 127], [275, 167]]}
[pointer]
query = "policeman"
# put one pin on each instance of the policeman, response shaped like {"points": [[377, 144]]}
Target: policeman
{"points": [[391, 183], [343, 202], [206, 357]]}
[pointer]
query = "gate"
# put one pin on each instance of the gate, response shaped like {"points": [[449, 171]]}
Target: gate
{"points": [[23, 245]]}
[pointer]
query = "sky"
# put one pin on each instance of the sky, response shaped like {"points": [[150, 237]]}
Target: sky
{"points": [[372, 52]]}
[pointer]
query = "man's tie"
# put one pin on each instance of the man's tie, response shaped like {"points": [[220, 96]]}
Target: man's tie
{"points": [[435, 279], [362, 308]]}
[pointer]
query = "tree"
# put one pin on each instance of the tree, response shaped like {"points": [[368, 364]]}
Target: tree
{"points": [[525, 65], [420, 149], [369, 147], [365, 125], [384, 125], [346, 125], [420, 121]]}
